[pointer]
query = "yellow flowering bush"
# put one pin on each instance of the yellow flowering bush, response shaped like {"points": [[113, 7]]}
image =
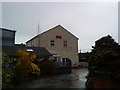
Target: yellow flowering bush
{"points": [[35, 70], [25, 59]]}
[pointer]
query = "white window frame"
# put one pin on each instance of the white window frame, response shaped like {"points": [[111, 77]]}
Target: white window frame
{"points": [[52, 42]]}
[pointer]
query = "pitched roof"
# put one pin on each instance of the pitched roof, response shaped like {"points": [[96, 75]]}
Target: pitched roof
{"points": [[57, 27], [7, 30], [39, 51], [52, 29]]}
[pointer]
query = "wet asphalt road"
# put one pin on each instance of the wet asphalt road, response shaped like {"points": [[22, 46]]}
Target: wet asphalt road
{"points": [[74, 80]]}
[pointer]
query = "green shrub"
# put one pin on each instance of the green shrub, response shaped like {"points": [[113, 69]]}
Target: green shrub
{"points": [[19, 75], [0, 70], [7, 71], [104, 60], [35, 70]]}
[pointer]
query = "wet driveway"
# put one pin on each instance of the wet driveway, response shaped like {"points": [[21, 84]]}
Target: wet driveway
{"points": [[74, 80]]}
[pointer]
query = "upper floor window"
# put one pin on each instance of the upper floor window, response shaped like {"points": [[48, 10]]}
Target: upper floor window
{"points": [[52, 42], [65, 43]]}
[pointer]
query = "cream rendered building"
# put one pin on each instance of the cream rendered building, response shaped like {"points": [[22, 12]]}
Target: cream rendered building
{"points": [[57, 41]]}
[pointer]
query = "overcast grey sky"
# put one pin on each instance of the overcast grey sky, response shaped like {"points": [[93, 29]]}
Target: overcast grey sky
{"points": [[89, 21]]}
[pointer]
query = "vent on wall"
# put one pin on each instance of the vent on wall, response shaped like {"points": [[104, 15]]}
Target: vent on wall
{"points": [[58, 37]]}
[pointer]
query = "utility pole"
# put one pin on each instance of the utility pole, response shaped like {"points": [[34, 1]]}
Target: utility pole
{"points": [[38, 29], [38, 35]]}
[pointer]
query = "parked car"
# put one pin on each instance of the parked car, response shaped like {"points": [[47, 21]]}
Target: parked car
{"points": [[76, 65]]}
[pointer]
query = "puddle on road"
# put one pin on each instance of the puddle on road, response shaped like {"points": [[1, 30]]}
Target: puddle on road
{"points": [[74, 80]]}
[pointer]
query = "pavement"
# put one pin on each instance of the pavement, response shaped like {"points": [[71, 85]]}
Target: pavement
{"points": [[74, 80]]}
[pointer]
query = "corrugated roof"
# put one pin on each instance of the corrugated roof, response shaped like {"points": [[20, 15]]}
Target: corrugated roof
{"points": [[39, 51]]}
